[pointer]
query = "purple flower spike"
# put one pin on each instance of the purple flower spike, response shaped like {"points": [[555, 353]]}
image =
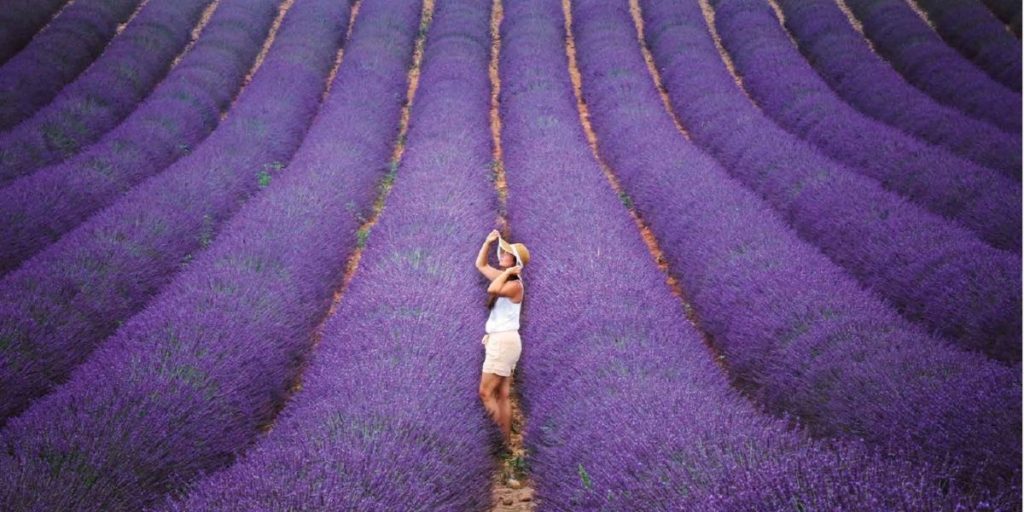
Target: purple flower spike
{"points": [[917, 52], [57, 54], [799, 335], [389, 417], [110, 266], [177, 116], [104, 94], [907, 255], [843, 57]]}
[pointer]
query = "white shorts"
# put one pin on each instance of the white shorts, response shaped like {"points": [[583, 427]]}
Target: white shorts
{"points": [[502, 352]]}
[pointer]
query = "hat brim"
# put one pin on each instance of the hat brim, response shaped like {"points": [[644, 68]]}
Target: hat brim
{"points": [[507, 247]]}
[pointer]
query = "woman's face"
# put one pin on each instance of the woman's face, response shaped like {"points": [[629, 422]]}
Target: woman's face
{"points": [[506, 259]]}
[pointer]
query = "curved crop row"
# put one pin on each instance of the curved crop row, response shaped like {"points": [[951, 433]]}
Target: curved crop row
{"points": [[181, 112], [904, 253], [978, 35], [388, 417], [843, 58], [106, 92], [788, 89], [625, 407], [20, 20], [1008, 11], [186, 384], [57, 54], [798, 334], [913, 48], [58, 306]]}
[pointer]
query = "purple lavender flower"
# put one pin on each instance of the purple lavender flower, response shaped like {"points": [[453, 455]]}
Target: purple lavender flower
{"points": [[907, 255], [843, 57], [917, 52], [788, 89], [105, 93], [179, 114], [388, 417], [978, 35], [110, 266], [798, 334], [58, 53], [22, 19]]}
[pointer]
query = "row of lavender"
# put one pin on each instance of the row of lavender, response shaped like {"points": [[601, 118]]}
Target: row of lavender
{"points": [[843, 57], [388, 417], [62, 303], [1008, 11], [625, 408], [20, 20], [904, 253], [107, 91], [797, 332], [976, 33], [793, 93], [788, 89], [917, 52], [57, 54], [178, 115], [622, 365], [185, 385]]}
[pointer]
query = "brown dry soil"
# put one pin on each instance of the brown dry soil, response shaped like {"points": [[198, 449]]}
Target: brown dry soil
{"points": [[510, 483], [519, 496]]}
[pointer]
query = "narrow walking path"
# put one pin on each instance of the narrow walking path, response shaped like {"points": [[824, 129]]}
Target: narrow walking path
{"points": [[510, 485]]}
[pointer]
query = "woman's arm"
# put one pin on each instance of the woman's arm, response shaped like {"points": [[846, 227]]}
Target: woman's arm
{"points": [[501, 287], [481, 258]]}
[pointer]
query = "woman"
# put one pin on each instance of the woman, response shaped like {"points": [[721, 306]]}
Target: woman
{"points": [[502, 342]]}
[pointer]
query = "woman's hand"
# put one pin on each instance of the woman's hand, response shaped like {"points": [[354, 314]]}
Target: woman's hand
{"points": [[492, 236], [514, 270]]}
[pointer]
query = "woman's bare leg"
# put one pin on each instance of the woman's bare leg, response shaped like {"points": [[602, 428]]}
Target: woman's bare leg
{"points": [[504, 404], [489, 384]]}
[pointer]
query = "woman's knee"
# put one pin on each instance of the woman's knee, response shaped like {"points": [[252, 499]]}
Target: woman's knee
{"points": [[486, 391], [503, 392]]}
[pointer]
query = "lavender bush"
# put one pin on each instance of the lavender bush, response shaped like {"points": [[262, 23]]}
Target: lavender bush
{"points": [[178, 115], [789, 90], [59, 305], [976, 33], [917, 52], [58, 53], [1008, 11], [797, 334], [20, 20], [388, 417], [843, 58], [878, 236], [106, 92], [625, 408], [183, 386]]}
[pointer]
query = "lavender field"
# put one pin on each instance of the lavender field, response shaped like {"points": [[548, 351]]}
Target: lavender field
{"points": [[775, 254]]}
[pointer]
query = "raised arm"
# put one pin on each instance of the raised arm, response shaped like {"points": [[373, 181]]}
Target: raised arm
{"points": [[502, 287], [488, 271]]}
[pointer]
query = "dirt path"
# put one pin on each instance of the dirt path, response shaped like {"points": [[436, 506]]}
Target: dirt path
{"points": [[510, 484], [282, 10], [197, 31]]}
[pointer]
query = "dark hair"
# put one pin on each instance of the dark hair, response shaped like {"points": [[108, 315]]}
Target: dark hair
{"points": [[492, 299]]}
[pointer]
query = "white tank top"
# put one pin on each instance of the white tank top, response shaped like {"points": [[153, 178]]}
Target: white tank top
{"points": [[504, 316]]}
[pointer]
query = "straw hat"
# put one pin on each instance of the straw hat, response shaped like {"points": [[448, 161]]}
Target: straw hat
{"points": [[518, 250]]}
